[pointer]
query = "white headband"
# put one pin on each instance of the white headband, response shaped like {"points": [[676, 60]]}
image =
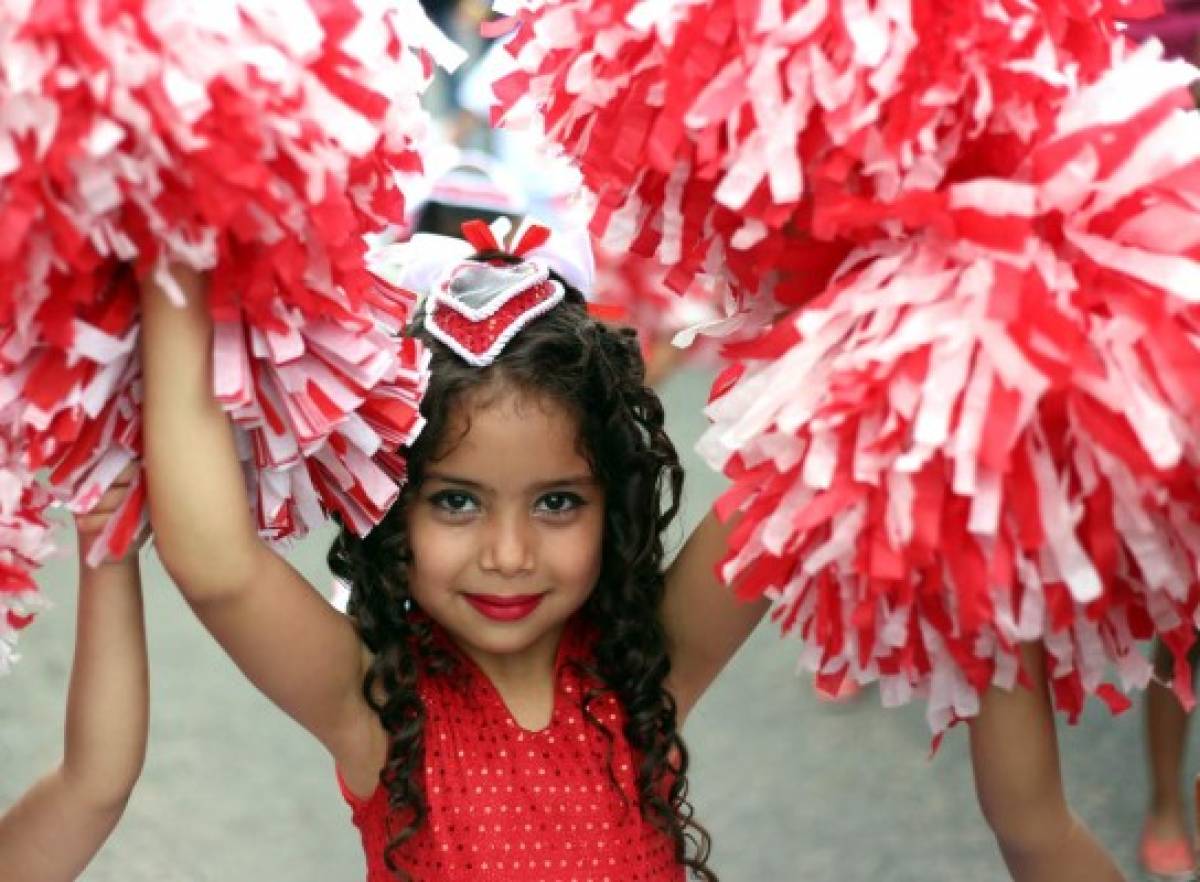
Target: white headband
{"points": [[420, 263]]}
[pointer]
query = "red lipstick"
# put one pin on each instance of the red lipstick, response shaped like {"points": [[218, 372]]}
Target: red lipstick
{"points": [[505, 608]]}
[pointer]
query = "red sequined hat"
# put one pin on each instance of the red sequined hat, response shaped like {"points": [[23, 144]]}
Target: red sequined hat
{"points": [[478, 306]]}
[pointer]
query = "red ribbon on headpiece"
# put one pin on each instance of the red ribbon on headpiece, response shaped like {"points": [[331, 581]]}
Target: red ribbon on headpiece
{"points": [[482, 239], [535, 236], [480, 235]]}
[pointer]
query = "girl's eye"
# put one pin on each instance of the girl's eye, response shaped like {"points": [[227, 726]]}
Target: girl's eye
{"points": [[454, 502], [560, 503]]}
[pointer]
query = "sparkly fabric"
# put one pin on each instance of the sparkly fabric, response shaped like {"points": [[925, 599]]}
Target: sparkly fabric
{"points": [[477, 337], [510, 805]]}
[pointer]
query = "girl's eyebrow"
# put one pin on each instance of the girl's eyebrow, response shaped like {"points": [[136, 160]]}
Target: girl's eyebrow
{"points": [[571, 481], [574, 481], [453, 479]]}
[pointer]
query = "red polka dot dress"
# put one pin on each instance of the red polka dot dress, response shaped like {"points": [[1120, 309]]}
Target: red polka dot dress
{"points": [[510, 805]]}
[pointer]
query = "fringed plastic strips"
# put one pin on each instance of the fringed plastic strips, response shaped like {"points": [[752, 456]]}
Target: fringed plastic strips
{"points": [[739, 139], [980, 428], [973, 441], [250, 140], [72, 390], [24, 543], [630, 289]]}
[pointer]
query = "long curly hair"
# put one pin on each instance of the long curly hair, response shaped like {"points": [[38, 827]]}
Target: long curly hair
{"points": [[597, 373]]}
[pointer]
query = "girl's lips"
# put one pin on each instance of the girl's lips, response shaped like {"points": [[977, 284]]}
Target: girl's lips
{"points": [[505, 608]]}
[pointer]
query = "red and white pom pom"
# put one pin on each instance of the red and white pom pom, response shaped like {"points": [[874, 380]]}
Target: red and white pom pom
{"points": [[975, 440], [633, 291], [73, 392], [720, 136], [24, 544], [321, 411], [254, 141]]}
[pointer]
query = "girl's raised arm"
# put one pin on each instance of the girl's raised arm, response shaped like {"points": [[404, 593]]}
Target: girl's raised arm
{"points": [[705, 623], [56, 828], [300, 652]]}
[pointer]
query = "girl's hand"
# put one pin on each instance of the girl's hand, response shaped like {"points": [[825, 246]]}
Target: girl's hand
{"points": [[89, 526]]}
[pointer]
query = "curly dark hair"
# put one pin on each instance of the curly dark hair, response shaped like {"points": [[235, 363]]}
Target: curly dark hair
{"points": [[597, 373]]}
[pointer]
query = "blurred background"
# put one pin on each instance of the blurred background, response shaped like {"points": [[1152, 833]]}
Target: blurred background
{"points": [[793, 788]]}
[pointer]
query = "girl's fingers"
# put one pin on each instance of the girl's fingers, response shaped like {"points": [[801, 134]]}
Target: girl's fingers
{"points": [[125, 479], [91, 523], [110, 502], [141, 537], [119, 489]]}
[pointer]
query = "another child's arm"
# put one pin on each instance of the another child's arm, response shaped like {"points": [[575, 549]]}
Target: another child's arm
{"points": [[300, 652], [55, 829], [1018, 780], [705, 623]]}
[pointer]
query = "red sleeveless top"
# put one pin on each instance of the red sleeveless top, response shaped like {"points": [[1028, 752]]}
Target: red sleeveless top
{"points": [[510, 805]]}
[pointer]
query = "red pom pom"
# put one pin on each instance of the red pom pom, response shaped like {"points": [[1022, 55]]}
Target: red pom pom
{"points": [[253, 142], [633, 291], [985, 432], [24, 543], [724, 137], [982, 428]]}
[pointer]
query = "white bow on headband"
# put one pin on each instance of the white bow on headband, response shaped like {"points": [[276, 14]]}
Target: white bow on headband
{"points": [[419, 264]]}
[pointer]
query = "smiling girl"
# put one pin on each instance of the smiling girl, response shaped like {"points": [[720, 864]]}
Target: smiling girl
{"points": [[505, 697]]}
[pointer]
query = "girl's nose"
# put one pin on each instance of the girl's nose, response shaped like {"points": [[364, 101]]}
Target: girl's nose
{"points": [[508, 548]]}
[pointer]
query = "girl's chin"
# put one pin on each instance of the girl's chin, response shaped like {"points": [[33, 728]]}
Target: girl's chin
{"points": [[481, 634]]}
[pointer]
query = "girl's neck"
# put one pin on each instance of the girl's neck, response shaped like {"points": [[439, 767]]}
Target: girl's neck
{"points": [[534, 663], [525, 680]]}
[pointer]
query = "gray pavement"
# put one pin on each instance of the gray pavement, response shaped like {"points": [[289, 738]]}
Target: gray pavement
{"points": [[792, 790]]}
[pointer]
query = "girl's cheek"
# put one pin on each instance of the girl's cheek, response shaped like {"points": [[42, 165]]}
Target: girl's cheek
{"points": [[438, 552], [584, 552]]}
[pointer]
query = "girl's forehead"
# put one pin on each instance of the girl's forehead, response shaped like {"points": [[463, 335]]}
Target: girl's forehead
{"points": [[509, 432]]}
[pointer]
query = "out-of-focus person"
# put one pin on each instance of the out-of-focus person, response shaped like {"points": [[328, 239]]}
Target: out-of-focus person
{"points": [[1166, 849]]}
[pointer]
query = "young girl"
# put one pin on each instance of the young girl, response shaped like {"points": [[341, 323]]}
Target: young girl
{"points": [[56, 828], [506, 697]]}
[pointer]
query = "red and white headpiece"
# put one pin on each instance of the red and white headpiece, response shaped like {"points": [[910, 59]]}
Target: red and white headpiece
{"points": [[475, 307], [478, 307]]}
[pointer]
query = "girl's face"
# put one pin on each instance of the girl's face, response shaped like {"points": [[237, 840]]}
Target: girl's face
{"points": [[506, 528]]}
